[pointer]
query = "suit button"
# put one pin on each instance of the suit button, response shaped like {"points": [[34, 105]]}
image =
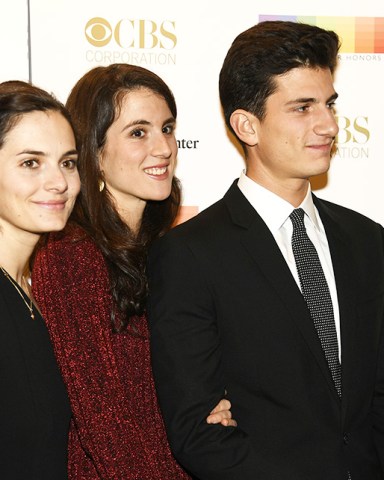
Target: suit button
{"points": [[345, 438]]}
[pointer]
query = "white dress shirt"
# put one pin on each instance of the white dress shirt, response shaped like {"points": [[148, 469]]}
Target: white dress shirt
{"points": [[275, 212]]}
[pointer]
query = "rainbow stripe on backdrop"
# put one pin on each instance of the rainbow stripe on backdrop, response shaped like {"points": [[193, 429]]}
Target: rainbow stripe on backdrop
{"points": [[358, 34]]}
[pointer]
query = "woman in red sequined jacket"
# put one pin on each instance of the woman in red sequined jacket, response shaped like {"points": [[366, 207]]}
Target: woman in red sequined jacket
{"points": [[90, 280]]}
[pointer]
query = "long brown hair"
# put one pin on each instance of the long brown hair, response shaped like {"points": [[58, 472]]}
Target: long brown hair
{"points": [[94, 103]]}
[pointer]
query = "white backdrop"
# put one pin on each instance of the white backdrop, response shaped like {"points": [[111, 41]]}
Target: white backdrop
{"points": [[186, 45]]}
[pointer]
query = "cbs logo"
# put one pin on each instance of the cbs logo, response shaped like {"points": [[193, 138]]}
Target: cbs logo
{"points": [[352, 130], [131, 33]]}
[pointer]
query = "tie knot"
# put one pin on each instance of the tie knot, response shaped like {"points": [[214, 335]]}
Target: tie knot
{"points": [[297, 218]]}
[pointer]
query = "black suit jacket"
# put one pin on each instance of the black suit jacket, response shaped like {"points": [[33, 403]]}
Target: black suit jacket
{"points": [[226, 316]]}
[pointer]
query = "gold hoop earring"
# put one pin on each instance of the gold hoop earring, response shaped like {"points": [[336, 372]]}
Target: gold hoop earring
{"points": [[101, 185]]}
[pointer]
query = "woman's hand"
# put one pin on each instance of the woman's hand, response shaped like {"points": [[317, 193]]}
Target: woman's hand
{"points": [[222, 414]]}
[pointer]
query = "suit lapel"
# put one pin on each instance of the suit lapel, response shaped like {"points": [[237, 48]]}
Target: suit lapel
{"points": [[342, 261], [263, 249]]}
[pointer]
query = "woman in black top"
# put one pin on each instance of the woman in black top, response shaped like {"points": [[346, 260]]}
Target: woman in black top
{"points": [[38, 187]]}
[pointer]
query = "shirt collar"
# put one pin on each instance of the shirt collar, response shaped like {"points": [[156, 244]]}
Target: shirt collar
{"points": [[273, 209], [309, 208]]}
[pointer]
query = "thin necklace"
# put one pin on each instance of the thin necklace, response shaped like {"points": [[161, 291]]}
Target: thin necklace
{"points": [[30, 306]]}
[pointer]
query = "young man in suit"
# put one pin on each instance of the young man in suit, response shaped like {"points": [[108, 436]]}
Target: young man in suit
{"points": [[271, 295]]}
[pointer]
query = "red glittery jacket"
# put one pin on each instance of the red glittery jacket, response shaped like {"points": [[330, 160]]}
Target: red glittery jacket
{"points": [[117, 431]]}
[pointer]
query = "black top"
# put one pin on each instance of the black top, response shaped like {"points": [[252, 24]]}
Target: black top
{"points": [[34, 407]]}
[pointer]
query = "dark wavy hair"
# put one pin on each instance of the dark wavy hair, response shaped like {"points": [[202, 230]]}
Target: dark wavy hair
{"points": [[94, 103], [264, 51], [18, 98]]}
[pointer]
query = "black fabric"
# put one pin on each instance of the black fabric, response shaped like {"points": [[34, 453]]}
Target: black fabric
{"points": [[226, 315], [34, 407]]}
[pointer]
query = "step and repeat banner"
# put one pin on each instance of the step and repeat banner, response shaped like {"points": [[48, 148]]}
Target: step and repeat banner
{"points": [[53, 43]]}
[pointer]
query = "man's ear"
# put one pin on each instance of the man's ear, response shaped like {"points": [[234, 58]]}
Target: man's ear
{"points": [[244, 125]]}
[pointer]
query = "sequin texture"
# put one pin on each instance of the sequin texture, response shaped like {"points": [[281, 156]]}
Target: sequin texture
{"points": [[117, 432]]}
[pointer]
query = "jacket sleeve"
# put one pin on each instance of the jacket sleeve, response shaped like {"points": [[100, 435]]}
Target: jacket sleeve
{"points": [[71, 285], [378, 397], [187, 366], [378, 406]]}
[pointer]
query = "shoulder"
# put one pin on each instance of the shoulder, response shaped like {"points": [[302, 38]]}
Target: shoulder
{"points": [[67, 254], [345, 217], [360, 234], [216, 225], [71, 244], [201, 238], [212, 230], [212, 218], [73, 238], [231, 212], [195, 230]]}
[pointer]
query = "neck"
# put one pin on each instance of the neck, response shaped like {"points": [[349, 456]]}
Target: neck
{"points": [[15, 255], [295, 196], [20, 273], [132, 217], [130, 208], [292, 191]]}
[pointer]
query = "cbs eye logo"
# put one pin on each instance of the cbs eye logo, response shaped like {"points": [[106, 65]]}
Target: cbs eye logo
{"points": [[128, 33], [98, 32]]}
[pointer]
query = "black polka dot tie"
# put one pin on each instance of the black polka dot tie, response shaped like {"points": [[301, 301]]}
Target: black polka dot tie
{"points": [[316, 293]]}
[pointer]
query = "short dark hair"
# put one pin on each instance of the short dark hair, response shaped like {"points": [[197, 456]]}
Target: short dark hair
{"points": [[264, 51], [18, 98]]}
